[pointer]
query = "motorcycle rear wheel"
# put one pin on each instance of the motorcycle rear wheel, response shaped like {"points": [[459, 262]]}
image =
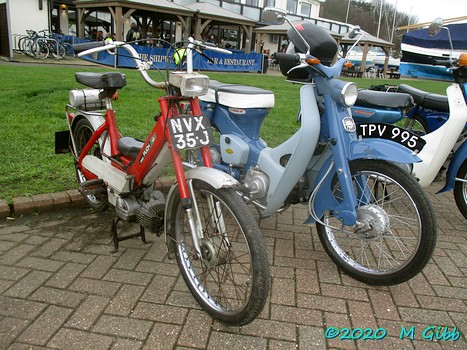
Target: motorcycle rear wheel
{"points": [[230, 280], [82, 132], [401, 233], [460, 190]]}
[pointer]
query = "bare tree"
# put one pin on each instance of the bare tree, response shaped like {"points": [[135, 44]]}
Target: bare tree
{"points": [[366, 14]]}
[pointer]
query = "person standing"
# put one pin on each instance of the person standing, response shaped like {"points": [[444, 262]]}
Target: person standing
{"points": [[134, 33]]}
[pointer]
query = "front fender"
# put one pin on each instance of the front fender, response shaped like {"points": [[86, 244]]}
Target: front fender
{"points": [[456, 162], [383, 150], [213, 177], [365, 149]]}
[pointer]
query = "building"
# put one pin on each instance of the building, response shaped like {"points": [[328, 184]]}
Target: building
{"points": [[233, 21]]}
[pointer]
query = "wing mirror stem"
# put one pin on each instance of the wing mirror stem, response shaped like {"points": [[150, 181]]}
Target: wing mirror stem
{"points": [[435, 27]]}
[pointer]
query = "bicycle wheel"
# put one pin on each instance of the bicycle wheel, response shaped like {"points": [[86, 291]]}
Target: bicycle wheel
{"points": [[460, 189], [28, 45], [399, 232], [68, 52], [39, 49], [82, 133], [22, 43], [230, 280]]}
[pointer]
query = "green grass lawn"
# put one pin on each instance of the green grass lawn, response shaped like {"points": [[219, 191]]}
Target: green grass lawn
{"points": [[32, 108]]}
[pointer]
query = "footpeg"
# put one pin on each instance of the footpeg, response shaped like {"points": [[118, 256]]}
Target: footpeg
{"points": [[92, 187]]}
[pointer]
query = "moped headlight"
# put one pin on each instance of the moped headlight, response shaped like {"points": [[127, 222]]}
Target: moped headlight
{"points": [[349, 94], [190, 85]]}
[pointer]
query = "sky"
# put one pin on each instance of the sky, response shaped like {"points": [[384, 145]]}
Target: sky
{"points": [[428, 10]]}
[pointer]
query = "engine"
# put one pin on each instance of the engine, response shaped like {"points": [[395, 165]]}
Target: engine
{"points": [[147, 210], [256, 183]]}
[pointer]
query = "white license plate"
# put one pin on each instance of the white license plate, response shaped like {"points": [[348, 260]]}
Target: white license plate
{"points": [[190, 132]]}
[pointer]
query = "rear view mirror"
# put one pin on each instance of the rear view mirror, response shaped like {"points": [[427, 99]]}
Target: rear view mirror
{"points": [[355, 31], [435, 26], [273, 15]]}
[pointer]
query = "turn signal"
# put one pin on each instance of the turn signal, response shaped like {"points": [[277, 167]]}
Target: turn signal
{"points": [[463, 59], [312, 61]]}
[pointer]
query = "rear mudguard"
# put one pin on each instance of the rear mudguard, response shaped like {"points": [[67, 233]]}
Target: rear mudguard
{"points": [[377, 149], [456, 162], [216, 178], [96, 119]]}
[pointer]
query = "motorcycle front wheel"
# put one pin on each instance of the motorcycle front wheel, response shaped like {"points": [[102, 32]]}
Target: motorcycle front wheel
{"points": [[230, 278], [82, 132], [398, 234], [460, 189]]}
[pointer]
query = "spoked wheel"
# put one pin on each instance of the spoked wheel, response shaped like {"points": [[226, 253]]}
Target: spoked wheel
{"points": [[460, 189], [67, 52], [82, 133], [397, 234], [230, 276]]}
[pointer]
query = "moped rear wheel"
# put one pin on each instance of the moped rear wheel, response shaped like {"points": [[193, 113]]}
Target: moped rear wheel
{"points": [[230, 278], [417, 125], [82, 133], [399, 234], [460, 189]]}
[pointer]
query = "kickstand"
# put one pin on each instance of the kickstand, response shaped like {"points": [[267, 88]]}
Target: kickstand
{"points": [[117, 239]]}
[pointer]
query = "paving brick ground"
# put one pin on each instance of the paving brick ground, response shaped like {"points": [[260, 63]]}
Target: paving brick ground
{"points": [[61, 288]]}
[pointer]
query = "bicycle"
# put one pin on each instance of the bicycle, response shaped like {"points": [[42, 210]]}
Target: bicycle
{"points": [[35, 44], [60, 49], [209, 231]]}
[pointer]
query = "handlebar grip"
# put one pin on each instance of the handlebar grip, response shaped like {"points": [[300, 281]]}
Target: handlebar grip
{"points": [[214, 47], [103, 47], [292, 58], [442, 62], [86, 46], [218, 49]]}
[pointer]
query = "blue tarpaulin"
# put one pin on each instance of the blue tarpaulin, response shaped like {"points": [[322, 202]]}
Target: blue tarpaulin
{"points": [[441, 41], [238, 61]]}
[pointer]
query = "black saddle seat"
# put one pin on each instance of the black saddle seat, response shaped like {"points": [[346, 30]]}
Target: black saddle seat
{"points": [[109, 80], [371, 98], [426, 99], [130, 146]]}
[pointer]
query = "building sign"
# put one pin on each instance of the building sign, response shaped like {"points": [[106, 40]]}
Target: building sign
{"points": [[238, 61]]}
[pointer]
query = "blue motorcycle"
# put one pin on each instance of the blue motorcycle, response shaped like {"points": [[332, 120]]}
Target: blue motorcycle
{"points": [[372, 217]]}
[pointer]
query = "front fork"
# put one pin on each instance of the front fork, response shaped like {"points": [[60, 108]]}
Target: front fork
{"points": [[186, 189], [195, 223], [340, 140]]}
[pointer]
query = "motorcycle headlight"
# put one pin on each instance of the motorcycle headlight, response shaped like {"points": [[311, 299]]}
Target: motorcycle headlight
{"points": [[349, 94], [190, 85]]}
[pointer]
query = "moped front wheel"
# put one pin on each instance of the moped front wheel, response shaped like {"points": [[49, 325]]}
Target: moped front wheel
{"points": [[228, 274], [82, 132], [460, 189], [396, 234]]}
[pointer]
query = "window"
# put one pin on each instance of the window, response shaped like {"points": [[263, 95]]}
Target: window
{"points": [[305, 9], [269, 3], [252, 2], [292, 6]]}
